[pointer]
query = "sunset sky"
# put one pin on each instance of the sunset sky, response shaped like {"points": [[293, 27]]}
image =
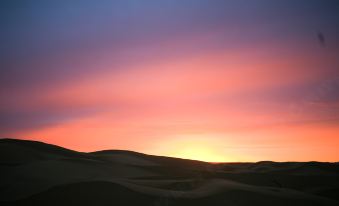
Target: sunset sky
{"points": [[214, 80]]}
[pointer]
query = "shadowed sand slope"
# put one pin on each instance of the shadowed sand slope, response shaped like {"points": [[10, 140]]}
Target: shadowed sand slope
{"points": [[35, 173]]}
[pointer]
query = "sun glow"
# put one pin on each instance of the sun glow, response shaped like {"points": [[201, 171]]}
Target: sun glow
{"points": [[200, 153], [196, 148]]}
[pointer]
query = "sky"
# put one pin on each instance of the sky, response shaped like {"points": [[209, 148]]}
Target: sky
{"points": [[213, 80]]}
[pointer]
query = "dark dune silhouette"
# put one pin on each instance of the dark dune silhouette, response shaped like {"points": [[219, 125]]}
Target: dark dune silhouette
{"points": [[35, 173]]}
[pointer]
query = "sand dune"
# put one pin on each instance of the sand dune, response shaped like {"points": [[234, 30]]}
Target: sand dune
{"points": [[35, 173]]}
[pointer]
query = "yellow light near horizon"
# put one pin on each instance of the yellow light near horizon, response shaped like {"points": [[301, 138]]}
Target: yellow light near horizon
{"points": [[195, 147], [199, 153]]}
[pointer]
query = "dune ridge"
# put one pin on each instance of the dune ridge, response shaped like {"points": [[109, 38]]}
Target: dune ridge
{"points": [[35, 173]]}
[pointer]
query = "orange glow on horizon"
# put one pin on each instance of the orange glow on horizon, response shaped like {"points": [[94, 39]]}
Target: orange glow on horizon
{"points": [[195, 147]]}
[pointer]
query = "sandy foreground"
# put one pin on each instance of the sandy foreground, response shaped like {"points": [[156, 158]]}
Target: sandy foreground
{"points": [[35, 173]]}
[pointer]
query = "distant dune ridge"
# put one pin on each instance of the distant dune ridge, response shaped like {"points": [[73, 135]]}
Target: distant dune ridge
{"points": [[35, 173]]}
